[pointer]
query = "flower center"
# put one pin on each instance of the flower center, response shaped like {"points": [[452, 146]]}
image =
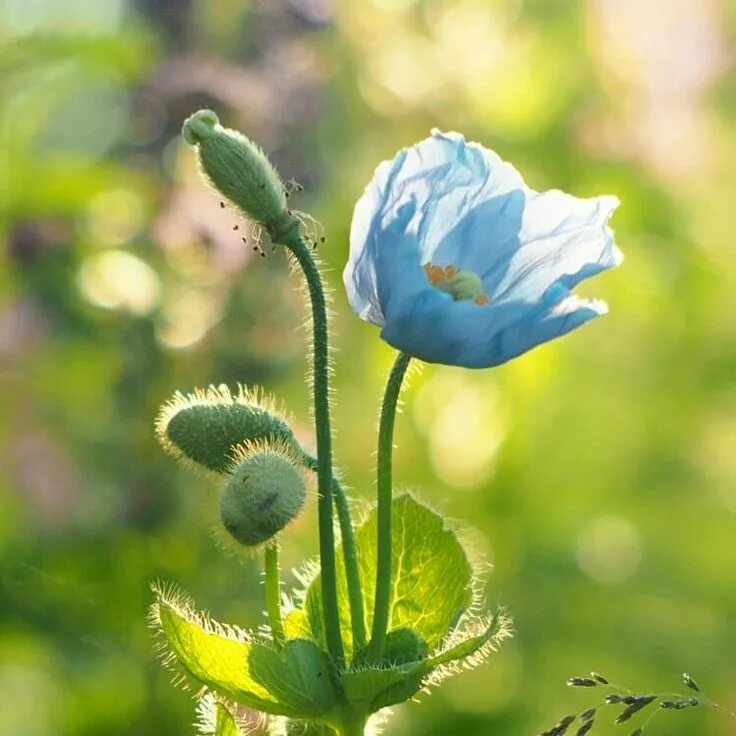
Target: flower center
{"points": [[459, 283]]}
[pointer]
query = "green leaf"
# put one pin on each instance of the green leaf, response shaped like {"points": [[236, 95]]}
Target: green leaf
{"points": [[475, 640], [431, 576], [214, 718], [395, 679], [225, 724], [294, 681], [296, 625], [399, 678], [402, 647]]}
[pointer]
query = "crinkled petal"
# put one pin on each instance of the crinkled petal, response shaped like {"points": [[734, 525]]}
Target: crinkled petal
{"points": [[446, 201], [563, 240], [566, 315], [464, 334], [445, 178]]}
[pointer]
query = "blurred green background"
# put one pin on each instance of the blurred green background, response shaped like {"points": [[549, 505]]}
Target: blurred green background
{"points": [[598, 471]]}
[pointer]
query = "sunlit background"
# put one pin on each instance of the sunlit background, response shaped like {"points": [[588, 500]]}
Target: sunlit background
{"points": [[599, 471]]}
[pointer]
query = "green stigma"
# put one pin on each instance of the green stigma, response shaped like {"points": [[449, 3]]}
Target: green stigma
{"points": [[461, 284]]}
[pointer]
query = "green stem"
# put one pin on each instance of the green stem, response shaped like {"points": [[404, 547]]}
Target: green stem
{"points": [[293, 240], [350, 556], [385, 497], [273, 592]]}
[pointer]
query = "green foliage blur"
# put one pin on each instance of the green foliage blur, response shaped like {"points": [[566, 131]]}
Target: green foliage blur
{"points": [[598, 472]]}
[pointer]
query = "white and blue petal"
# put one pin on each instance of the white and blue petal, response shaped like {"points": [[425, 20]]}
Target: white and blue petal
{"points": [[445, 201]]}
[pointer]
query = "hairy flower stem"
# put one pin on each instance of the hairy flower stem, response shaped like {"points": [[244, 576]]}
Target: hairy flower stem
{"points": [[385, 497], [273, 592], [293, 240], [350, 556]]}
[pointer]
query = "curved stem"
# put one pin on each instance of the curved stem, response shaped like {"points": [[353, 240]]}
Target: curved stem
{"points": [[385, 496], [293, 240], [273, 592], [350, 556]]}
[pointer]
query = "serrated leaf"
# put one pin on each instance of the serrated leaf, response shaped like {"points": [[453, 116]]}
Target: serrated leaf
{"points": [[431, 576], [293, 681], [214, 718], [473, 639]]}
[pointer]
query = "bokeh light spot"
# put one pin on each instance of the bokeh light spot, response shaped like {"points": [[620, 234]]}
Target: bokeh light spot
{"points": [[609, 549], [188, 316], [464, 426], [114, 217], [116, 279]]}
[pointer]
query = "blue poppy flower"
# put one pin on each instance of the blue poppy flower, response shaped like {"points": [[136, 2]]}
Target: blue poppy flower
{"points": [[459, 262]]}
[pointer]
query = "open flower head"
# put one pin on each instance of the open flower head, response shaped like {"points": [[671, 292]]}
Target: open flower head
{"points": [[459, 262]]}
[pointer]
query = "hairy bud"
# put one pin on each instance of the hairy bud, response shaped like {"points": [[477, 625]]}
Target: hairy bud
{"points": [[239, 170], [264, 492], [206, 426]]}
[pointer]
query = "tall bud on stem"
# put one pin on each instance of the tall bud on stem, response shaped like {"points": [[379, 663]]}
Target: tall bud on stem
{"points": [[240, 171]]}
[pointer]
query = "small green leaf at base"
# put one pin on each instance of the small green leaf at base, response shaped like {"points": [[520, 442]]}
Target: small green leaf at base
{"points": [[396, 678], [225, 725], [471, 644], [214, 718], [294, 681]]}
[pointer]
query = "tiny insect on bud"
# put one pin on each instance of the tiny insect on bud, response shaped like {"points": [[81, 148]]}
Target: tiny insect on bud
{"points": [[264, 492]]}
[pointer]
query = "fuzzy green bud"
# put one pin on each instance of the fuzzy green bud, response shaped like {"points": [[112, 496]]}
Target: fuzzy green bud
{"points": [[264, 492], [239, 170], [206, 426]]}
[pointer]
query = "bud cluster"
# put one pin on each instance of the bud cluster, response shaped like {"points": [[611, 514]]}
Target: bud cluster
{"points": [[244, 438]]}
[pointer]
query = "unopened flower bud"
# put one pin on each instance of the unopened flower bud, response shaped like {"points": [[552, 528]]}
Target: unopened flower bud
{"points": [[206, 426], [239, 170], [264, 492]]}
